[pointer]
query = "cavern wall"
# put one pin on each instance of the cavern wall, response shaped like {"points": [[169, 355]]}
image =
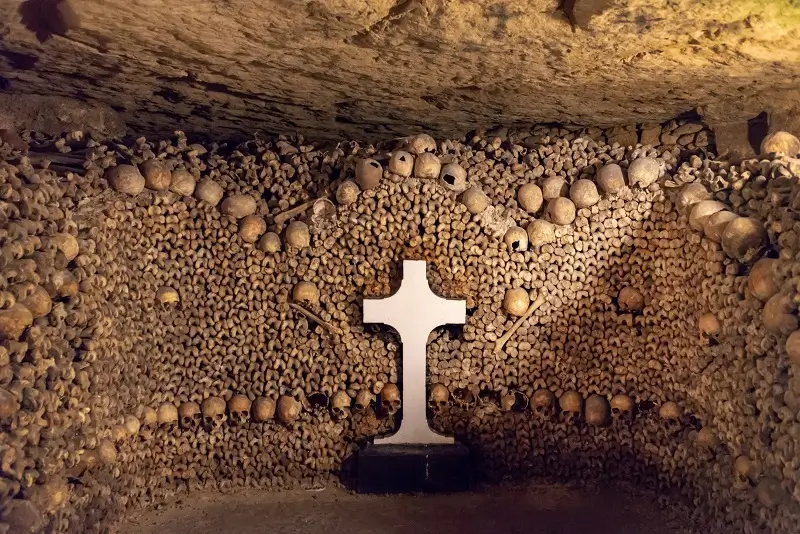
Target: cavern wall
{"points": [[166, 326]]}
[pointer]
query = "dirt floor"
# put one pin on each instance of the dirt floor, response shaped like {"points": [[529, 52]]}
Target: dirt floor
{"points": [[537, 510]]}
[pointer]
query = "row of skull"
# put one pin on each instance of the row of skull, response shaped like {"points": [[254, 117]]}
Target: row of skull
{"points": [[213, 412]]}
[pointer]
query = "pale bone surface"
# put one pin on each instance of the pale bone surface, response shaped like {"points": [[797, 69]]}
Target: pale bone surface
{"points": [[414, 311], [380, 68]]}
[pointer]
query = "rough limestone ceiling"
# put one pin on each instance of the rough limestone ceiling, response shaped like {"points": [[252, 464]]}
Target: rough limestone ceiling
{"points": [[378, 68]]}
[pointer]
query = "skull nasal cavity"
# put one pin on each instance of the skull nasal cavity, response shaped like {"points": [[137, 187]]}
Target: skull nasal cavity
{"points": [[402, 158], [449, 179]]}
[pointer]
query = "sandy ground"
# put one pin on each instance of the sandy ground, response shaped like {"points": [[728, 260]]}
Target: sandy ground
{"points": [[535, 510]]}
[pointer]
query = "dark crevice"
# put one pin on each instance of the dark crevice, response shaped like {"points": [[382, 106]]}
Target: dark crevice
{"points": [[757, 130], [19, 61]]}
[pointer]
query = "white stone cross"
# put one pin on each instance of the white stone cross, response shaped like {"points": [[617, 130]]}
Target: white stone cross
{"points": [[414, 311]]}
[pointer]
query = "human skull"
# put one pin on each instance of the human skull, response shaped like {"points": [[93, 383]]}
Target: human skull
{"points": [[571, 404], [238, 409], [453, 177], [183, 183], [190, 415], [643, 172], [132, 425], [516, 239], [561, 211], [298, 235], [340, 405], [156, 176], [125, 179], [597, 411], [622, 407], [213, 409], [770, 493], [306, 293], [347, 192], [427, 166], [541, 232], [270, 243], [610, 179], [390, 398], [239, 206], [149, 417], [167, 295], [167, 414], [529, 198], [709, 327], [780, 142], [420, 144], [554, 187], [439, 398], [670, 414], [744, 239], [401, 163], [584, 193], [118, 433], [208, 191], [287, 409], [543, 403], [475, 200], [251, 228], [364, 399], [368, 175], [263, 409], [629, 299], [746, 471], [516, 301], [707, 439], [323, 211]]}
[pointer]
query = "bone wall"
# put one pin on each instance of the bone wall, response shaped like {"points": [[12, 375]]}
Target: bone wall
{"points": [[656, 357]]}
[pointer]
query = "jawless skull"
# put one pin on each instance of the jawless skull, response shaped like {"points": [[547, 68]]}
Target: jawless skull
{"points": [[543, 403], [189, 415], [571, 404], [439, 398], [340, 405], [390, 399], [213, 410], [239, 409]]}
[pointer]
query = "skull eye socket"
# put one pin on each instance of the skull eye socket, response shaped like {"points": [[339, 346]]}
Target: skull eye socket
{"points": [[449, 179], [515, 245], [402, 158], [375, 164]]}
